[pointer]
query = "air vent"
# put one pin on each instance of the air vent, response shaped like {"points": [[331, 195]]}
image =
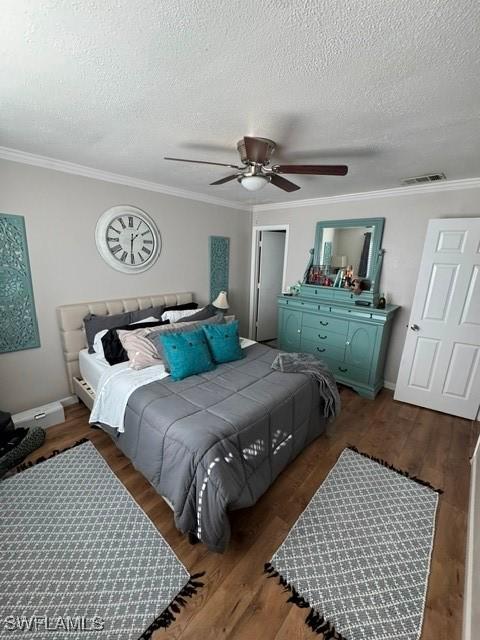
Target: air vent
{"points": [[431, 177]]}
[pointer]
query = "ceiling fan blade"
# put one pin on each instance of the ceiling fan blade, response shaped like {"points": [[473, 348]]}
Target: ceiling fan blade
{"points": [[282, 183], [218, 164], [256, 149], [223, 180], [313, 169]]}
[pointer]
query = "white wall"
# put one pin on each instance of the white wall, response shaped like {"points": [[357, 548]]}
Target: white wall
{"points": [[406, 218], [61, 211]]}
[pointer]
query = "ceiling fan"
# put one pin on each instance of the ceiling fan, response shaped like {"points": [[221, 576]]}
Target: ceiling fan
{"points": [[255, 154]]}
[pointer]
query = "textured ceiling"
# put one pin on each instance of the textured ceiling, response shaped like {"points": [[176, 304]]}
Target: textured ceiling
{"points": [[390, 88]]}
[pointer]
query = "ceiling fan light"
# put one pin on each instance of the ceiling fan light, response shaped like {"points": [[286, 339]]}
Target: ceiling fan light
{"points": [[253, 183]]}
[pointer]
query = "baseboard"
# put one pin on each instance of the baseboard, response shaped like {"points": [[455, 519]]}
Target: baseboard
{"points": [[471, 612], [389, 385], [69, 400]]}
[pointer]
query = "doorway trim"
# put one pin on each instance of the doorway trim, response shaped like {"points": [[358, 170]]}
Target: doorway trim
{"points": [[255, 266]]}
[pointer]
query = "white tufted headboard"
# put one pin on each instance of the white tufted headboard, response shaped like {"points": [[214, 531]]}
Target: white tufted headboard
{"points": [[72, 332]]}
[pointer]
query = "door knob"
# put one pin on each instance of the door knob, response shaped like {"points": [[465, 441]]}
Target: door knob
{"points": [[414, 327]]}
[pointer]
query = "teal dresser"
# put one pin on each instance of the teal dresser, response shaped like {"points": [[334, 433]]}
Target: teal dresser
{"points": [[335, 315], [352, 340]]}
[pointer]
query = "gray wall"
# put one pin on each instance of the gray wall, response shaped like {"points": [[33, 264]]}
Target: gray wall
{"points": [[406, 218], [61, 211]]}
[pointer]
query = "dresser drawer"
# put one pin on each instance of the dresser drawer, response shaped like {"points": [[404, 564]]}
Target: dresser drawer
{"points": [[324, 336], [319, 321], [344, 371], [322, 350]]}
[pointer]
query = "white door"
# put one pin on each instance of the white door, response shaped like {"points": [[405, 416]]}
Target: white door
{"points": [[270, 277], [440, 367]]}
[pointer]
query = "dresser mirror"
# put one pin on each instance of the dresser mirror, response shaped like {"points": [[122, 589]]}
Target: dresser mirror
{"points": [[347, 257], [349, 245]]}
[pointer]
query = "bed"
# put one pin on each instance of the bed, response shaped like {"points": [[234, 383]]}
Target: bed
{"points": [[212, 442]]}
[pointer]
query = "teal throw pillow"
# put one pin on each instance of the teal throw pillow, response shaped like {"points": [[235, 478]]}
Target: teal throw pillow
{"points": [[224, 342], [186, 353]]}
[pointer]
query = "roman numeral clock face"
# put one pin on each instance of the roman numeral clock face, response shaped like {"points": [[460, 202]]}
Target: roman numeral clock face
{"points": [[127, 239]]}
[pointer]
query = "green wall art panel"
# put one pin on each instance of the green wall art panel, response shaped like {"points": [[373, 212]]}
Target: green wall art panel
{"points": [[219, 264], [18, 320]]}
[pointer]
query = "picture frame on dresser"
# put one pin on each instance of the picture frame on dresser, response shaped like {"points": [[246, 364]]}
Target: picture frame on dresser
{"points": [[340, 326]]}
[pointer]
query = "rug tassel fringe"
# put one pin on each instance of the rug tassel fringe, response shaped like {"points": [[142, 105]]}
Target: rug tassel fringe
{"points": [[392, 468], [55, 452], [165, 619], [315, 620]]}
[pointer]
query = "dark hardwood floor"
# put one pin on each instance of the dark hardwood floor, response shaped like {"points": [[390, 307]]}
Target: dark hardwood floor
{"points": [[237, 601]]}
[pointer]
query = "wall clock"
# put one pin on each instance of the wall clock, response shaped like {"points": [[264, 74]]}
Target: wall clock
{"points": [[128, 239]]}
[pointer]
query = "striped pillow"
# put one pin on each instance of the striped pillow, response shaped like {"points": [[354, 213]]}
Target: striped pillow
{"points": [[141, 352]]}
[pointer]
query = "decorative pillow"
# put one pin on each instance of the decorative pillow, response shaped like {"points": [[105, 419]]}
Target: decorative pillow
{"points": [[175, 315], [93, 324], [202, 314], [140, 351], [186, 354], [224, 342], [143, 314], [113, 350], [184, 327]]}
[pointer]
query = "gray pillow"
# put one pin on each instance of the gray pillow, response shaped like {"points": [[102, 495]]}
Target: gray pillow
{"points": [[141, 314], [207, 312], [93, 323], [185, 327]]}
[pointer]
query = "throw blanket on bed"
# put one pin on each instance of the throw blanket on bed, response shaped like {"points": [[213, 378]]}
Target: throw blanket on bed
{"points": [[306, 363], [114, 390], [215, 442]]}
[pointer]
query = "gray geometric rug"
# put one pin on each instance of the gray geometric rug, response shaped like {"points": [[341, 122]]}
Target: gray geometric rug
{"points": [[80, 559], [359, 555]]}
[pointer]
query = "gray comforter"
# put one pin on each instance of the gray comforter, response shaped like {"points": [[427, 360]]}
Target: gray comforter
{"points": [[217, 441]]}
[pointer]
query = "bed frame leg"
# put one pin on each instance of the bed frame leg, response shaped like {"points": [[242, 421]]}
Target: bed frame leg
{"points": [[192, 538]]}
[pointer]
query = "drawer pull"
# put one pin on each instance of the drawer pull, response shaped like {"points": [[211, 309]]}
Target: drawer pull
{"points": [[322, 337], [321, 350], [343, 370], [324, 324]]}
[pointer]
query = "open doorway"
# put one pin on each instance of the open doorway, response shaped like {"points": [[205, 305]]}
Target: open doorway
{"points": [[269, 259]]}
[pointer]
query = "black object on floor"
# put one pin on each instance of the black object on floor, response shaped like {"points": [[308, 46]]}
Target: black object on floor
{"points": [[6, 424], [17, 444], [192, 538]]}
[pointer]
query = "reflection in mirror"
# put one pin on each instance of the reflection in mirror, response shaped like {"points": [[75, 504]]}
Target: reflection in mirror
{"points": [[347, 248], [348, 255]]}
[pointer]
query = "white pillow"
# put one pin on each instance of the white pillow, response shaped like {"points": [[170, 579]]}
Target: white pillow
{"points": [[98, 344], [174, 316], [150, 319]]}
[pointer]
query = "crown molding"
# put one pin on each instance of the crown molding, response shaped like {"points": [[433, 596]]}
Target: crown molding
{"points": [[447, 185], [15, 155]]}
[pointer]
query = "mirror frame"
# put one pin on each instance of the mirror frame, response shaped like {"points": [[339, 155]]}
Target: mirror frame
{"points": [[378, 225]]}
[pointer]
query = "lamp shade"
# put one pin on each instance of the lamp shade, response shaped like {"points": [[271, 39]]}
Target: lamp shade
{"points": [[221, 301]]}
